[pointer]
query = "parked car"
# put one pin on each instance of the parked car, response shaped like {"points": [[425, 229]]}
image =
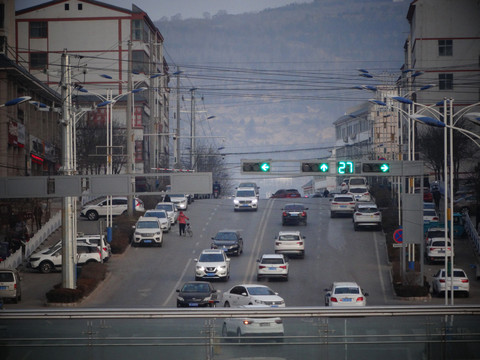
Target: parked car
{"points": [[294, 214], [212, 264], [180, 201], [427, 195], [291, 243], [197, 294], [148, 231], [430, 215], [252, 294], [461, 283], [272, 266], [345, 294], [230, 241], [162, 216], [171, 210], [466, 203], [360, 193], [263, 327], [245, 199], [435, 233], [119, 206], [367, 215], [98, 240], [342, 204], [50, 259], [10, 285]]}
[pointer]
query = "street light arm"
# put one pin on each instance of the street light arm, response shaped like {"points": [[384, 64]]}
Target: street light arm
{"points": [[16, 101]]}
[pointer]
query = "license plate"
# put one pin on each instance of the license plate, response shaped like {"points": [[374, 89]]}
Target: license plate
{"points": [[293, 214], [346, 300], [343, 206], [455, 288], [210, 274], [3, 287], [264, 324], [192, 304], [272, 268], [245, 205], [147, 241]]}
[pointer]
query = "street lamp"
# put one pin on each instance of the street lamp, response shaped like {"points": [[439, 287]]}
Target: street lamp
{"points": [[16, 101]]}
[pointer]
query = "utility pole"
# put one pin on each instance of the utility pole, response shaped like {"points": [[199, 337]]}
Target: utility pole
{"points": [[69, 246], [177, 131], [130, 147], [192, 128]]}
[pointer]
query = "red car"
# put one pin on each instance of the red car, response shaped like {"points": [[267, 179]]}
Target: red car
{"points": [[286, 193], [427, 195]]}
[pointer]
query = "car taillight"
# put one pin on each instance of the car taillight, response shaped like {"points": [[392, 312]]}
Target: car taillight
{"points": [[278, 243], [278, 321], [247, 322], [334, 203], [261, 266], [352, 203], [366, 193], [15, 286], [283, 267], [284, 214], [304, 213], [299, 242], [104, 249], [441, 280], [377, 213], [463, 281], [357, 213], [360, 298], [435, 218], [333, 299]]}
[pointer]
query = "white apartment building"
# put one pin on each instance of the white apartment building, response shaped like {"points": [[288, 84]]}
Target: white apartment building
{"points": [[96, 36]]}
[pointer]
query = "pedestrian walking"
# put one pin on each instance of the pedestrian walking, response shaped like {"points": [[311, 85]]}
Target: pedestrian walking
{"points": [[436, 198], [182, 222], [37, 214]]}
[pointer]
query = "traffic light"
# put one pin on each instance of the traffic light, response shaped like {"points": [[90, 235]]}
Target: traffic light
{"points": [[312, 166], [376, 167], [255, 166], [345, 167]]}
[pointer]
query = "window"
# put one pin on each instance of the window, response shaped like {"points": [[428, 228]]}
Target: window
{"points": [[67, 7], [80, 6], [38, 60], [445, 47], [140, 31], [38, 29], [445, 81]]}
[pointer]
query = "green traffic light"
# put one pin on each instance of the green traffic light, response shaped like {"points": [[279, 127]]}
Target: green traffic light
{"points": [[385, 168], [323, 167], [265, 167]]}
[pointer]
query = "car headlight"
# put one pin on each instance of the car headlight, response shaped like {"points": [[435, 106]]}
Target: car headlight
{"points": [[158, 233], [199, 267], [223, 267], [137, 233], [179, 298], [254, 201], [236, 202]]}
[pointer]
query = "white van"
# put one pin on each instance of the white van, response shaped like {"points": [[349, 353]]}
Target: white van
{"points": [[10, 287]]}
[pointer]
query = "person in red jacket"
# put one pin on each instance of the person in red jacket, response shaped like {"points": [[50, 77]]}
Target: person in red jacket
{"points": [[182, 222]]}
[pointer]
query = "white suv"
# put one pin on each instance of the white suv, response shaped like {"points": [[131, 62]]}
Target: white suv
{"points": [[245, 199], [50, 259], [367, 214], [98, 240], [170, 209], [290, 242], [162, 216], [119, 206], [342, 204], [148, 231], [212, 264]]}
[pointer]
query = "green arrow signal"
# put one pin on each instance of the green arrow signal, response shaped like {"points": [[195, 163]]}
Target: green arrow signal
{"points": [[324, 167], [265, 167], [385, 168]]}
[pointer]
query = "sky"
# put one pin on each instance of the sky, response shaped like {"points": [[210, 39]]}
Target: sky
{"points": [[156, 9]]}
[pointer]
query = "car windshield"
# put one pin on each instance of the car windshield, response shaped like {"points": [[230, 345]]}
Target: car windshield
{"points": [[6, 276], [294, 207], [199, 288], [436, 233], [177, 195], [245, 193], [347, 290], [54, 249], [158, 214], [439, 243], [226, 236], [289, 237], [429, 213], [147, 225], [356, 182], [260, 291], [343, 199], [211, 258], [368, 210], [272, 261], [358, 190], [166, 207]]}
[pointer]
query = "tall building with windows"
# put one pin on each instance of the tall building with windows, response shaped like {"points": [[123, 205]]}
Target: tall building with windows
{"points": [[444, 45], [96, 36]]}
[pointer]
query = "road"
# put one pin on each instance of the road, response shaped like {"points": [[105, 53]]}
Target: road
{"points": [[146, 277]]}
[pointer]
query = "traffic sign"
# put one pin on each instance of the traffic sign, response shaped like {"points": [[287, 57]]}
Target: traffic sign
{"points": [[256, 165], [398, 236]]}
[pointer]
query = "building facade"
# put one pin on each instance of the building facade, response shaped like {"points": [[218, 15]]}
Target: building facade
{"points": [[96, 36]]}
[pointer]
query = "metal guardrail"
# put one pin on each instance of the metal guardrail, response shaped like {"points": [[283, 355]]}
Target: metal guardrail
{"points": [[472, 234]]}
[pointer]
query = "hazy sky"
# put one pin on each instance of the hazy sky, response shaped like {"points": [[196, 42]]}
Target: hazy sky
{"points": [[157, 9]]}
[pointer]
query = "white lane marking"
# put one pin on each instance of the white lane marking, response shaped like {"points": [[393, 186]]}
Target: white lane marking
{"points": [[177, 285], [257, 242]]}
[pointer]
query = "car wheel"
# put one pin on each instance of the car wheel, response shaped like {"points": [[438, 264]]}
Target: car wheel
{"points": [[259, 278], [197, 278], [332, 215], [302, 255], [91, 261], [355, 227], [226, 304], [46, 267], [92, 215], [285, 278]]}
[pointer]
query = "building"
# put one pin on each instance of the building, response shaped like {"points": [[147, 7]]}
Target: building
{"points": [[29, 134], [96, 36]]}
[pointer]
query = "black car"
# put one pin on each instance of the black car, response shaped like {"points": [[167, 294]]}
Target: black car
{"points": [[294, 214], [197, 294], [229, 241]]}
